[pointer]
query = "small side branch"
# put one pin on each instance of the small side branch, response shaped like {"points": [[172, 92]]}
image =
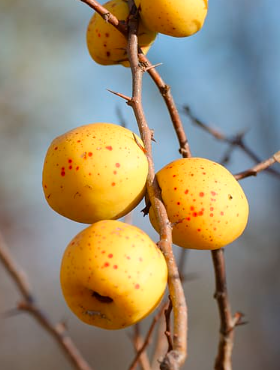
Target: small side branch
{"points": [[227, 321], [262, 166], [236, 141], [108, 17], [148, 337], [27, 304]]}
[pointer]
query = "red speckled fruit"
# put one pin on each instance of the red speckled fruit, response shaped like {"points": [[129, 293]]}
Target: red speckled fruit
{"points": [[177, 18], [205, 204], [95, 172], [106, 45], [112, 275]]}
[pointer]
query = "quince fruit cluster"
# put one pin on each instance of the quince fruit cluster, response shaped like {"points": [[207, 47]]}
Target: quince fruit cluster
{"points": [[112, 274], [177, 18]]}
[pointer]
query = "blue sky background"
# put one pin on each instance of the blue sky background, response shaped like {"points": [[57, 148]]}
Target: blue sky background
{"points": [[228, 74]]}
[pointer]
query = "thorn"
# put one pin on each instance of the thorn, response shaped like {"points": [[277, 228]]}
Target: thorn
{"points": [[152, 135], [10, 313], [128, 99], [153, 66], [140, 145]]}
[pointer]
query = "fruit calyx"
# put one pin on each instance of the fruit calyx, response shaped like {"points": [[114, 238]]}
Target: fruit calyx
{"points": [[102, 298]]}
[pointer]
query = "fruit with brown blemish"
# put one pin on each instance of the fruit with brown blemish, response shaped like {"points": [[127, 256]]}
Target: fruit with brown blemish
{"points": [[95, 172], [205, 204], [112, 275], [177, 18], [106, 44]]}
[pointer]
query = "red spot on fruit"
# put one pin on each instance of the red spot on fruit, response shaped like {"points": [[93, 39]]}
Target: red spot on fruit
{"points": [[175, 188], [103, 252], [174, 175], [194, 214], [203, 173], [137, 286], [106, 264], [70, 167], [78, 141], [107, 34], [128, 257], [109, 147], [211, 208], [56, 148], [110, 255], [108, 54], [201, 194], [117, 165], [211, 215], [45, 186], [62, 173], [222, 213], [213, 193], [198, 230], [113, 184], [90, 154], [186, 191], [115, 172], [188, 218], [70, 161], [178, 203], [77, 168], [115, 267], [192, 208]]}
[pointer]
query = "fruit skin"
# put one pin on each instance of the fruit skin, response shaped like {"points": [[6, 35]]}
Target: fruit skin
{"points": [[112, 275], [95, 172], [205, 204], [106, 45], [177, 18]]}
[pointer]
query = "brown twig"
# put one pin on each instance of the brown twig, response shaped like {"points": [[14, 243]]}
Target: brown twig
{"points": [[168, 332], [138, 342], [262, 166], [27, 304], [234, 141], [148, 337], [108, 17], [174, 359], [165, 91], [161, 345], [227, 321], [151, 70]]}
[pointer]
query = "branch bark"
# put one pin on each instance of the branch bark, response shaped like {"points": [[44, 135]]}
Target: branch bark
{"points": [[164, 89], [175, 358], [28, 304], [227, 321]]}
